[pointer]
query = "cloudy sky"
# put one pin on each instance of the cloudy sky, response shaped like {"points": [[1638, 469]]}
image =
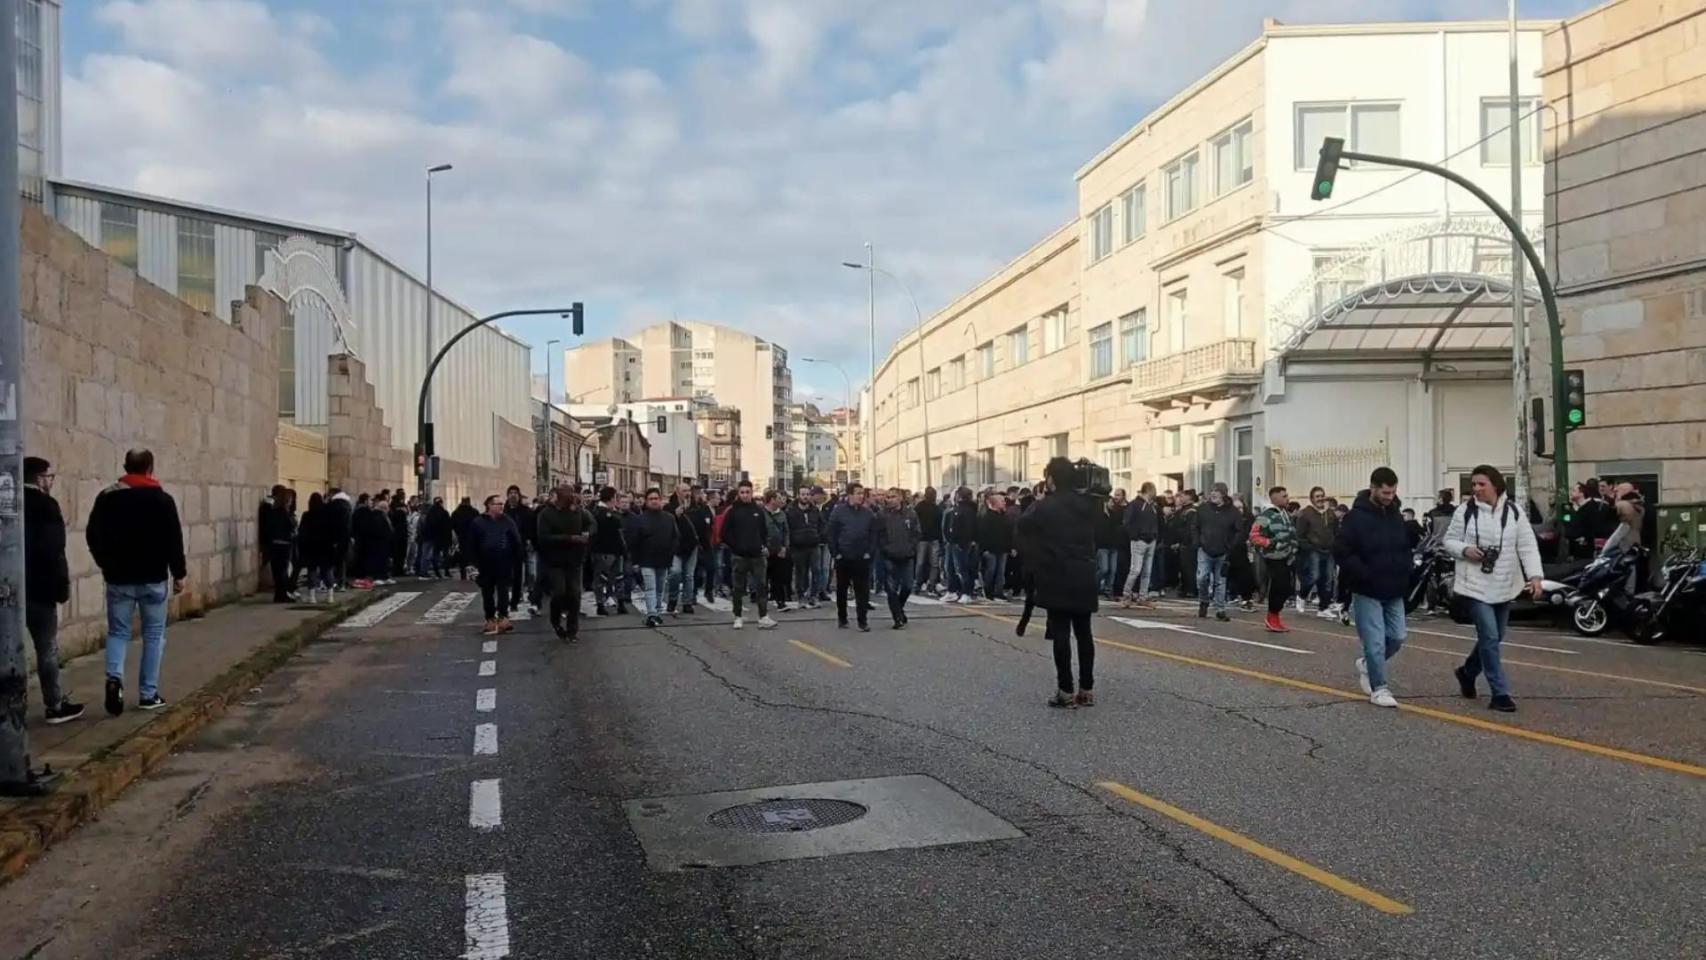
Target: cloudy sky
{"points": [[703, 159]]}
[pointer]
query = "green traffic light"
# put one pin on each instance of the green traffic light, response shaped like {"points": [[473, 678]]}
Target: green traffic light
{"points": [[1575, 417], [1324, 188]]}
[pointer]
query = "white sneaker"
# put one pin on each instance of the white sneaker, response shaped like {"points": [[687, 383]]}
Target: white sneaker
{"points": [[951, 598], [765, 623], [1362, 676], [1383, 698], [1301, 603], [1327, 613], [739, 622]]}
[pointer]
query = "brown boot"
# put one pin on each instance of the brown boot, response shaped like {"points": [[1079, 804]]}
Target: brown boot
{"points": [[491, 629]]}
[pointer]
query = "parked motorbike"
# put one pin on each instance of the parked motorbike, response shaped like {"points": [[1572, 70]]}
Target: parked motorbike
{"points": [[1679, 606], [1608, 592], [1432, 571]]}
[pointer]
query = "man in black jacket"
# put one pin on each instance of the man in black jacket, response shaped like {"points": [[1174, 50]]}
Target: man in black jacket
{"points": [[516, 508], [1218, 523], [746, 530], [852, 541], [1373, 551], [685, 565], [399, 517], [965, 564], [1057, 538], [897, 543], [564, 531], [278, 534], [435, 539], [1182, 531], [135, 538], [494, 544], [995, 539], [805, 535], [1142, 524], [338, 533], [47, 584], [652, 536], [609, 554], [461, 520]]}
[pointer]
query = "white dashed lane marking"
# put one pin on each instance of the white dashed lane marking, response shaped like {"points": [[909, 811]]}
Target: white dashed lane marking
{"points": [[448, 609], [378, 611], [488, 668], [486, 740], [1154, 625], [487, 919], [486, 700], [489, 646], [485, 805]]}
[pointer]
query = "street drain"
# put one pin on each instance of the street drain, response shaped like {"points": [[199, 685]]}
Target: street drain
{"points": [[787, 816]]}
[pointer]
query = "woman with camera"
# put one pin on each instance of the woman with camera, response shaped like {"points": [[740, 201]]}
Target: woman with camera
{"points": [[1496, 552]]}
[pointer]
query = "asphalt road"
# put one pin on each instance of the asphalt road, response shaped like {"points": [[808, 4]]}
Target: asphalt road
{"points": [[1223, 800]]}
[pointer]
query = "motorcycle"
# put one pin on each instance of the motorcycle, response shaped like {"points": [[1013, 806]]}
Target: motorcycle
{"points": [[1607, 592], [1680, 605], [1432, 571]]}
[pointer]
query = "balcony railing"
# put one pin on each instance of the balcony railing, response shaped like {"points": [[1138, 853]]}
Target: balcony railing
{"points": [[1210, 368]]}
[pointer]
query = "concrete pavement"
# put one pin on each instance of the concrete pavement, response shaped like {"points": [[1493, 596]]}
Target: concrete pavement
{"points": [[417, 790]]}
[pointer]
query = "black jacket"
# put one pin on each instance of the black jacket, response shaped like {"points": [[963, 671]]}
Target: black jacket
{"points": [[897, 533], [47, 577], [314, 537], [746, 530], [278, 526], [460, 518], [1110, 528], [1057, 542], [399, 516], [805, 527], [608, 539], [686, 537], [700, 515], [960, 524], [554, 530], [494, 544], [994, 531], [1142, 521], [1373, 549], [1218, 528], [134, 535], [525, 524], [373, 538], [1182, 529], [929, 519], [652, 539], [435, 526], [852, 532], [339, 524]]}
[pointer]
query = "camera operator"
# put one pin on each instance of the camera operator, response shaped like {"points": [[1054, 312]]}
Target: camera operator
{"points": [[1057, 540]]}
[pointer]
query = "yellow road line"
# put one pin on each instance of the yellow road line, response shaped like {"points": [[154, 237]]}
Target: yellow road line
{"points": [[1521, 733], [1332, 882], [832, 658]]}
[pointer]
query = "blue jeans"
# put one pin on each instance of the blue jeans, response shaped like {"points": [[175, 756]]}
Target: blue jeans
{"points": [[1211, 580], [820, 572], [900, 584], [994, 574], [1380, 627], [426, 554], [967, 563], [148, 600], [879, 573], [929, 559], [681, 578], [1491, 621], [1107, 568], [1315, 572], [654, 578]]}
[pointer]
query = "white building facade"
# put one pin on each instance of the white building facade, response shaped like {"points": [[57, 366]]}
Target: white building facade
{"points": [[667, 423], [39, 142]]}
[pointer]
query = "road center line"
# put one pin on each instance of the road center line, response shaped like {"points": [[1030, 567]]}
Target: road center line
{"points": [[485, 701], [487, 920], [1332, 882], [830, 657], [485, 805], [488, 668], [1157, 625], [486, 740]]}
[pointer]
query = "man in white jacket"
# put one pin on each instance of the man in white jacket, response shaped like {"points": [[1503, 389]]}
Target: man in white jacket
{"points": [[1496, 553]]}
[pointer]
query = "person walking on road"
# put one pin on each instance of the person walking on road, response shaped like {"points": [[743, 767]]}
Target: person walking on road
{"points": [[852, 541], [1373, 553], [1317, 529], [805, 535], [565, 532], [1218, 523], [461, 524], [137, 542], [1183, 530], [898, 534], [995, 539], [965, 564], [278, 537], [1498, 558], [779, 568], [684, 565], [747, 532], [652, 536], [1057, 538], [1141, 526], [1275, 537], [609, 556], [522, 578], [494, 544], [929, 575], [436, 533], [47, 584]]}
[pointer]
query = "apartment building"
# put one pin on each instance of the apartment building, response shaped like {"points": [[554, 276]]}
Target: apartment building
{"points": [[812, 440], [712, 364], [719, 428], [666, 423], [1626, 82], [1200, 319]]}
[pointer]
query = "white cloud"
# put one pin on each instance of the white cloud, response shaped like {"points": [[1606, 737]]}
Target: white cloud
{"points": [[505, 72], [228, 35]]}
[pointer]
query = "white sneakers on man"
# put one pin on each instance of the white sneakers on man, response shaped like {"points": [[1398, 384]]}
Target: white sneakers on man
{"points": [[1362, 676], [1383, 698], [739, 622], [765, 623], [951, 598], [1301, 604]]}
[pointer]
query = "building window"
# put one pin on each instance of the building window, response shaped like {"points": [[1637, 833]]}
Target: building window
{"points": [[1232, 303], [1365, 127], [1101, 351], [1134, 338], [1178, 310], [1054, 330], [934, 469], [1057, 446], [1019, 347], [986, 360], [1181, 177], [1205, 463], [1495, 131], [118, 233], [956, 374], [195, 263], [1102, 232], [957, 471], [265, 242], [910, 399], [31, 84], [933, 384], [1118, 462], [1172, 440], [1018, 462], [1244, 462], [1134, 213], [1234, 158], [986, 465]]}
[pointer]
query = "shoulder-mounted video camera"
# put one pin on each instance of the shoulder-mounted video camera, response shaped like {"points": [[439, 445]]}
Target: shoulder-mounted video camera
{"points": [[1091, 478]]}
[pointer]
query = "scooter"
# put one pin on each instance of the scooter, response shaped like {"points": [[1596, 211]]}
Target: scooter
{"points": [[1607, 592], [1680, 605]]}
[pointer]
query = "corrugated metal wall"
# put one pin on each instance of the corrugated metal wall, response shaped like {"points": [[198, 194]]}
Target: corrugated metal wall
{"points": [[233, 266], [157, 249], [82, 215]]}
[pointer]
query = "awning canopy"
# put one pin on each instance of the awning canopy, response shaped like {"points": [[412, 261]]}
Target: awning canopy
{"points": [[1427, 315]]}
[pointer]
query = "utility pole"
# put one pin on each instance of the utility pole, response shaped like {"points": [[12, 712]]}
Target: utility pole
{"points": [[1519, 300], [871, 415], [16, 777], [422, 441]]}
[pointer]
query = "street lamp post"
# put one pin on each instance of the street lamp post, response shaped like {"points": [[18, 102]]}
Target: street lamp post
{"points": [[430, 305], [924, 397], [848, 382], [549, 395]]}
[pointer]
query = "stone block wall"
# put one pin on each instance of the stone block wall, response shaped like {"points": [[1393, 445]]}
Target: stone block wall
{"points": [[114, 362]]}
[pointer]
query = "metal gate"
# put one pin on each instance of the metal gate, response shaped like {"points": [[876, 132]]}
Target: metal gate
{"points": [[1341, 471]]}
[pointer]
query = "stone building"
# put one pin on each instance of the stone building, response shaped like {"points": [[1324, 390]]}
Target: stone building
{"points": [[720, 427], [1626, 238], [624, 456]]}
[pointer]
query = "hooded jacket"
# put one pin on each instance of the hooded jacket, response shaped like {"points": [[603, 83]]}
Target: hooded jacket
{"points": [[340, 524], [1218, 528], [134, 534], [1274, 534], [1373, 549]]}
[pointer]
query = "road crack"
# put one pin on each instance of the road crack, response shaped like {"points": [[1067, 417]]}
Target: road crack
{"points": [[1315, 746]]}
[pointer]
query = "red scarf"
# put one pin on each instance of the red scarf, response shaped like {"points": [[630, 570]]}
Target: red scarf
{"points": [[134, 480]]}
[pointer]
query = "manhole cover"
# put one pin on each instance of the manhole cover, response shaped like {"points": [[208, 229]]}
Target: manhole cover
{"points": [[787, 816]]}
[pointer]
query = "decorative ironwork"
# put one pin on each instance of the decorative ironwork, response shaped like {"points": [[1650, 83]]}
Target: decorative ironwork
{"points": [[1464, 254], [295, 268]]}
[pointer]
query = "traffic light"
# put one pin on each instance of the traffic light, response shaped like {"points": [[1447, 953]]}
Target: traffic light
{"points": [[577, 313], [1538, 428], [1575, 400], [1327, 170]]}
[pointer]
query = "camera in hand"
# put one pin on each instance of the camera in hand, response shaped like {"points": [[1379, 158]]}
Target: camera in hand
{"points": [[1489, 559], [1091, 478]]}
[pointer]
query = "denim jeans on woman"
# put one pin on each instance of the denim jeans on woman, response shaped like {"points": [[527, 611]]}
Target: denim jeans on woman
{"points": [[147, 600], [1491, 621], [1380, 627]]}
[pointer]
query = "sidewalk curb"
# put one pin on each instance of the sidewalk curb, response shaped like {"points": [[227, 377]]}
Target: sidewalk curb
{"points": [[31, 827]]}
